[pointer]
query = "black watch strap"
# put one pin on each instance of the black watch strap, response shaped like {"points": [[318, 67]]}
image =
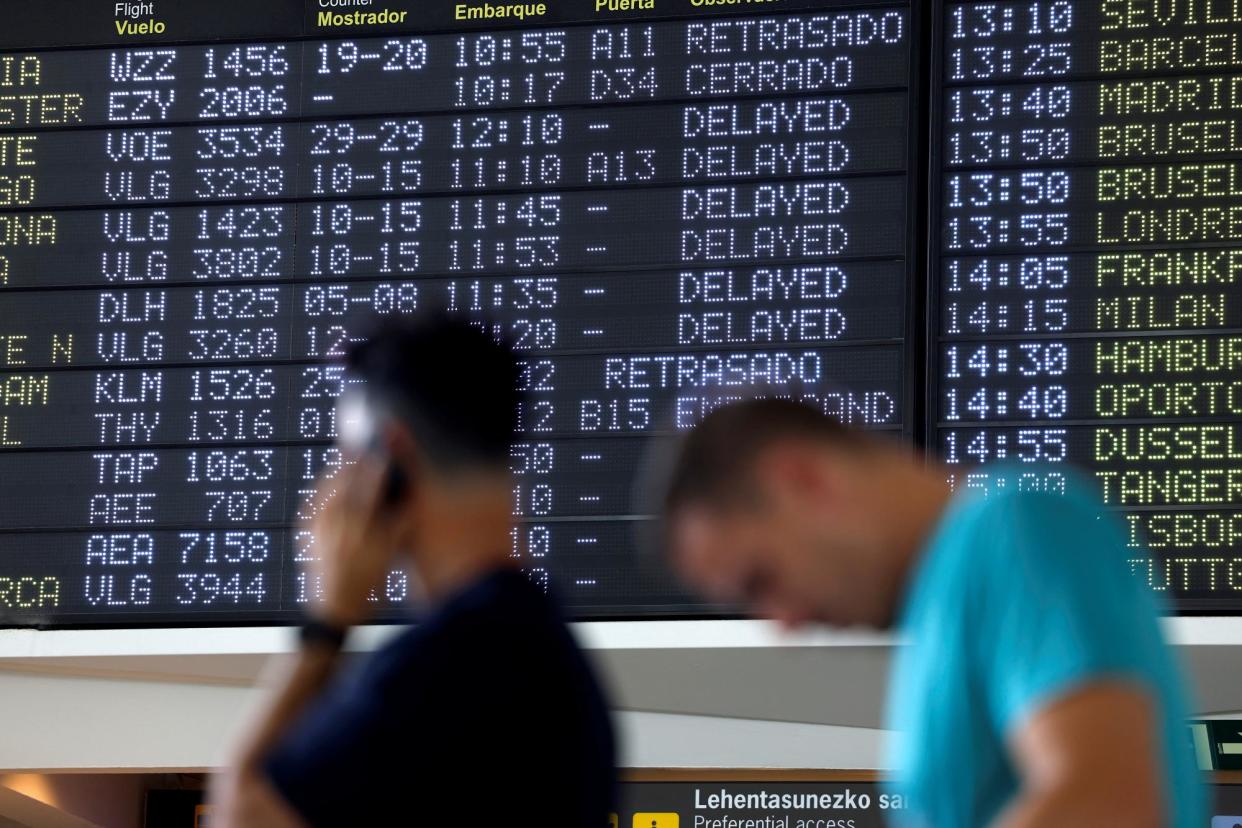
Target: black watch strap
{"points": [[318, 633]]}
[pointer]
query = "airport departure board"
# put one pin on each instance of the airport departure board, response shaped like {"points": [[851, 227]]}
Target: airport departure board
{"points": [[1008, 231], [203, 203], [1085, 300]]}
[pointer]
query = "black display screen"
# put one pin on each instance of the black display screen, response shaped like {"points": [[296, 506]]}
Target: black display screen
{"points": [[203, 204], [1085, 301], [1006, 229]]}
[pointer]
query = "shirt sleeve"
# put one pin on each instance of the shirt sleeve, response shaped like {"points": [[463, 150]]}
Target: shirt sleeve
{"points": [[1058, 606]]}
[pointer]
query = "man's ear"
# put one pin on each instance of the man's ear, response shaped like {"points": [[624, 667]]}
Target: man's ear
{"points": [[403, 449], [400, 444], [796, 469]]}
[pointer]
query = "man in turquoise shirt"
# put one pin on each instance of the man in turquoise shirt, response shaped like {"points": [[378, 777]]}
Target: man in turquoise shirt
{"points": [[1034, 689]]}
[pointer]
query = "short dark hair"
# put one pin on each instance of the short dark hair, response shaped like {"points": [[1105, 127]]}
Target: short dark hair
{"points": [[714, 462], [449, 381]]}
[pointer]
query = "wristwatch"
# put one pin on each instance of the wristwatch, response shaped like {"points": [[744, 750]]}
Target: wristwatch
{"points": [[316, 632]]}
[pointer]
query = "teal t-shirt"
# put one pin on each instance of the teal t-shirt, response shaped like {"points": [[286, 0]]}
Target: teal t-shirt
{"points": [[1018, 599]]}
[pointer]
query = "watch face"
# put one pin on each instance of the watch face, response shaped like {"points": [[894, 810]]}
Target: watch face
{"points": [[316, 633]]}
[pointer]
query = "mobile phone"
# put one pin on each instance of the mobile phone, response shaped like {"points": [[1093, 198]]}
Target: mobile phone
{"points": [[395, 483], [360, 432]]}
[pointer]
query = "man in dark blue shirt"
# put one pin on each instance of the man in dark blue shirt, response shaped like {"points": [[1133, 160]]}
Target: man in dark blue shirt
{"points": [[486, 712]]}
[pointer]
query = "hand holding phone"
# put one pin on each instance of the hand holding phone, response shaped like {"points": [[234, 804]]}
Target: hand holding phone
{"points": [[356, 537], [360, 425]]}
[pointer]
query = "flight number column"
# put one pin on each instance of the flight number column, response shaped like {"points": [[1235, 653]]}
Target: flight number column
{"points": [[171, 414], [223, 405]]}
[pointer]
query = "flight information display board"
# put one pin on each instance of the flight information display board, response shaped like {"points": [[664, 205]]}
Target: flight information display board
{"points": [[202, 204], [1085, 304], [1008, 229]]}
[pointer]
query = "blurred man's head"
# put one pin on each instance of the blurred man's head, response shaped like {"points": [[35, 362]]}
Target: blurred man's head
{"points": [[775, 506], [445, 398]]}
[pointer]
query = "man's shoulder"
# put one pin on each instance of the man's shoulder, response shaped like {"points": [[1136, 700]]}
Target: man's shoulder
{"points": [[505, 610], [1037, 550], [1065, 514], [1023, 488], [501, 619], [1015, 542]]}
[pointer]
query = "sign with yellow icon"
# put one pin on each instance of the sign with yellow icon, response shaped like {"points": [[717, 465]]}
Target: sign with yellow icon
{"points": [[657, 821]]}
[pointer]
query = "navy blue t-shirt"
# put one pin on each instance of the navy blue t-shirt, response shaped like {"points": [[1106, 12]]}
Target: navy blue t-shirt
{"points": [[485, 714]]}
